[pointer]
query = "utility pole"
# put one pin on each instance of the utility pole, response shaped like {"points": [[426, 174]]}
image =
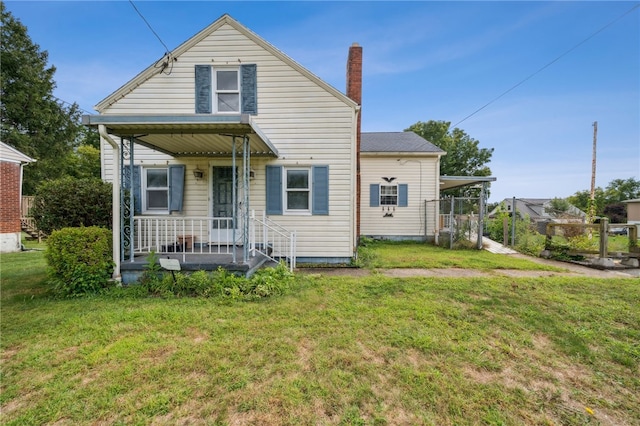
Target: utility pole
{"points": [[592, 204]]}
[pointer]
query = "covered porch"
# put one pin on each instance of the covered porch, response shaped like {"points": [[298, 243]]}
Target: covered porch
{"points": [[233, 238], [457, 221]]}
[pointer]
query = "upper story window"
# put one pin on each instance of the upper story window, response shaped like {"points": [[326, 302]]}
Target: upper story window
{"points": [[227, 90]]}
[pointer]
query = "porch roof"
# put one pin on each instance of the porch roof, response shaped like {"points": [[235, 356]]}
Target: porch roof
{"points": [[450, 182], [188, 135]]}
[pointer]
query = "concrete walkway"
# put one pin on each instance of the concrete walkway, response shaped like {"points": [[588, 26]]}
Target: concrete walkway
{"points": [[495, 247]]}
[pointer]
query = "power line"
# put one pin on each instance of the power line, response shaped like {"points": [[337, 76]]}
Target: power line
{"points": [[548, 64], [149, 25], [70, 104]]}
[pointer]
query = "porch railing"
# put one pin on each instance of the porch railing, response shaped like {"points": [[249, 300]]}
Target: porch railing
{"points": [[212, 235], [189, 235], [26, 205], [272, 240]]}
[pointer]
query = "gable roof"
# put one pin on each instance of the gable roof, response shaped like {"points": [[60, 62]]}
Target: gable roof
{"points": [[397, 142], [187, 45], [536, 208], [12, 155]]}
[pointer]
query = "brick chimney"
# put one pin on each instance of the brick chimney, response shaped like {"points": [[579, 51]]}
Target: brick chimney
{"points": [[354, 73], [354, 91]]}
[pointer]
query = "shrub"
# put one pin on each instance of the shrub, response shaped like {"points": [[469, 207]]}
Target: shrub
{"points": [[495, 227], [264, 283], [70, 202], [79, 260]]}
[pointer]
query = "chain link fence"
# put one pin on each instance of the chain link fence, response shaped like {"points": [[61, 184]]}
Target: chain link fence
{"points": [[459, 223]]}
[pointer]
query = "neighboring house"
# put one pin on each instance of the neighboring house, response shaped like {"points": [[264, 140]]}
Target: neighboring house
{"points": [[633, 211], [12, 163], [229, 152], [400, 170], [539, 211]]}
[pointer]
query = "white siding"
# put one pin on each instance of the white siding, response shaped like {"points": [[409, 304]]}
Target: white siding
{"points": [[420, 174], [308, 124], [10, 154]]}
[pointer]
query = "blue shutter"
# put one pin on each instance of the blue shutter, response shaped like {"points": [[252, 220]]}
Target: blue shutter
{"points": [[176, 187], [374, 195], [403, 195], [320, 190], [249, 81], [136, 182], [203, 89], [274, 189]]}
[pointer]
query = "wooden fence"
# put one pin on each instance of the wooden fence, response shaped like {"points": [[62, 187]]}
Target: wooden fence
{"points": [[602, 229]]}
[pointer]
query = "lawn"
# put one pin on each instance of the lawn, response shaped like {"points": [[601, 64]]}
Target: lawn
{"points": [[389, 254], [336, 350]]}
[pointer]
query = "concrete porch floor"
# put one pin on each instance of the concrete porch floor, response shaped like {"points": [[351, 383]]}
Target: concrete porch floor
{"points": [[132, 270]]}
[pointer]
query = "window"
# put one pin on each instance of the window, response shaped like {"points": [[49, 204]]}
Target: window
{"points": [[156, 190], [388, 195], [227, 90], [297, 190]]}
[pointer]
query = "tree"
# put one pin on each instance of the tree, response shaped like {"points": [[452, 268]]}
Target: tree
{"points": [[608, 202], [464, 156], [616, 212], [622, 189], [84, 162], [582, 200], [558, 206], [32, 120]]}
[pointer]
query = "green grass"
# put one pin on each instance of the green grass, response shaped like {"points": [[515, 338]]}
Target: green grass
{"points": [[337, 350], [386, 254]]}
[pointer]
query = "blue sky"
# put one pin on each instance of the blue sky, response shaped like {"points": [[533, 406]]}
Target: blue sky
{"points": [[423, 61]]}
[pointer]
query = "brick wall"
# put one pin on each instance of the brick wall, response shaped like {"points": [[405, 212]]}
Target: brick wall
{"points": [[9, 197]]}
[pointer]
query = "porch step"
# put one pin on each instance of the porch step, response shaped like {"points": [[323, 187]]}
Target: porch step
{"points": [[28, 226], [131, 271]]}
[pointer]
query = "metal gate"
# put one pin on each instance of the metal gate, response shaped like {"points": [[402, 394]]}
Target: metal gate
{"points": [[460, 221]]}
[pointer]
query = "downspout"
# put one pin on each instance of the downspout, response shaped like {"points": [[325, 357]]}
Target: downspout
{"points": [[115, 201]]}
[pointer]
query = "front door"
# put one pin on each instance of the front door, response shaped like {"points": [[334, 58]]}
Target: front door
{"points": [[222, 205]]}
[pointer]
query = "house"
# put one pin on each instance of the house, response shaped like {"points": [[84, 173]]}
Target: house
{"points": [[400, 171], [226, 152], [540, 211], [633, 211], [227, 146], [12, 164]]}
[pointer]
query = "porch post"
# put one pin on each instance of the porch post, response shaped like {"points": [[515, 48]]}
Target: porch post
{"points": [[127, 211], [234, 198], [115, 200], [132, 210], [481, 215], [246, 168]]}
